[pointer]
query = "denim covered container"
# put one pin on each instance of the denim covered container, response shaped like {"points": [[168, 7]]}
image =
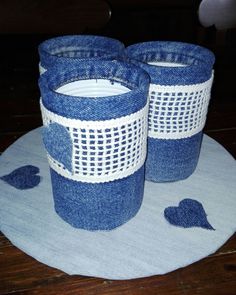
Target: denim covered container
{"points": [[95, 133], [181, 79], [71, 48]]}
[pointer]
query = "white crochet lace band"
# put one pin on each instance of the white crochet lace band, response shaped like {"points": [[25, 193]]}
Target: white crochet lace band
{"points": [[178, 111], [102, 150], [41, 69]]}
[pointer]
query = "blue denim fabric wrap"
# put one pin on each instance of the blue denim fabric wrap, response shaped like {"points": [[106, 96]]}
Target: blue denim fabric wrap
{"points": [[172, 159], [199, 61], [56, 50], [100, 206]]}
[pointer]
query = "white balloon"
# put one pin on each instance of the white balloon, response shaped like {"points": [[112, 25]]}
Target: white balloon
{"points": [[221, 13]]}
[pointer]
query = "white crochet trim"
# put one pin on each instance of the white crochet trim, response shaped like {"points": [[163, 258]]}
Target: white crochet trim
{"points": [[102, 150], [41, 69], [178, 111]]}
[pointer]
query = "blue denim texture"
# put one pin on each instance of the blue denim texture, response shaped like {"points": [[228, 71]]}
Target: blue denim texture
{"points": [[81, 46], [172, 159], [24, 177], [189, 213], [58, 144], [86, 108], [101, 206], [98, 206], [199, 61]]}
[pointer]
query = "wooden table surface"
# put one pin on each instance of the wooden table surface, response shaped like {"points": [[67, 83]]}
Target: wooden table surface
{"points": [[21, 274]]}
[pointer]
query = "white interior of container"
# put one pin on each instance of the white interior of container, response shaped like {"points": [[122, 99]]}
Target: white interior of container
{"points": [[166, 64], [93, 88], [64, 49]]}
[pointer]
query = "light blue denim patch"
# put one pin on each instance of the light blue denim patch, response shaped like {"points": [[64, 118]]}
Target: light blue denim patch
{"points": [[71, 48], [100, 206], [58, 144], [172, 159], [140, 248]]}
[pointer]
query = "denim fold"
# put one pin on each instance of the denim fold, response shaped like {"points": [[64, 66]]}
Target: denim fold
{"points": [[70, 48]]}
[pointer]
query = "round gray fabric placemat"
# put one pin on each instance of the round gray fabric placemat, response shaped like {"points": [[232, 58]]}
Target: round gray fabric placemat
{"points": [[146, 245]]}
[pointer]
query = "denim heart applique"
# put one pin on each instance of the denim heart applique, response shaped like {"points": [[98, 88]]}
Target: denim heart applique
{"points": [[189, 213], [58, 144], [22, 178]]}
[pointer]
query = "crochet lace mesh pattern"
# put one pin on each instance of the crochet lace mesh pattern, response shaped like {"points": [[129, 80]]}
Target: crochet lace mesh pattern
{"points": [[178, 111], [102, 150]]}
